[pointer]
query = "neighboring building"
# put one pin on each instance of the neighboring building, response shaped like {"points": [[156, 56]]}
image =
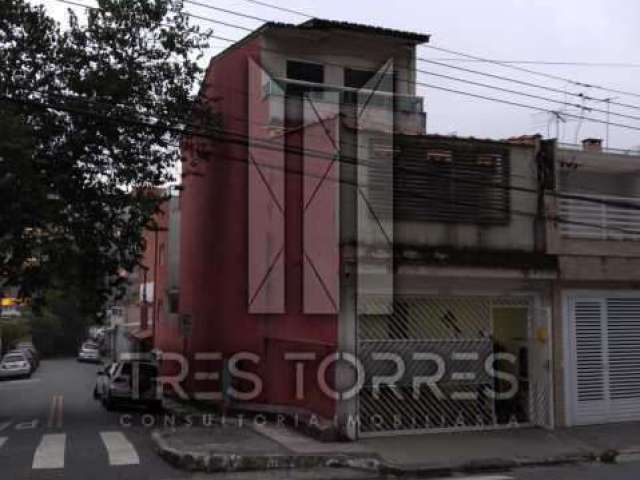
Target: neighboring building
{"points": [[132, 320], [471, 279], [168, 325], [596, 194]]}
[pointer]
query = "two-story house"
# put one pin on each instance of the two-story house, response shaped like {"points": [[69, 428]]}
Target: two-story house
{"points": [[594, 196], [472, 288]]}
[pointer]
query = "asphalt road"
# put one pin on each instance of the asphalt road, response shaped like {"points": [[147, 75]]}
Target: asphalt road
{"points": [[628, 471], [52, 428]]}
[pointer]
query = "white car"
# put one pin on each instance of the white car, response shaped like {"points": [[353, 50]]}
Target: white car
{"points": [[89, 353], [15, 365]]}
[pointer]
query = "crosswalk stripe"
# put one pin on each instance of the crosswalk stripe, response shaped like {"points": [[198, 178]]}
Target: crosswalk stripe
{"points": [[120, 450], [2, 441], [50, 452]]}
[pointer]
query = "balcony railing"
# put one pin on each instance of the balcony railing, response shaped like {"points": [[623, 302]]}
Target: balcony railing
{"points": [[333, 94], [607, 217]]}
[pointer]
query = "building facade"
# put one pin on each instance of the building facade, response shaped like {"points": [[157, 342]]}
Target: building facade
{"points": [[338, 262], [596, 195]]}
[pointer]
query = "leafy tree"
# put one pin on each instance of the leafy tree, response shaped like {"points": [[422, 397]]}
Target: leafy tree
{"points": [[11, 332], [58, 322], [95, 113]]}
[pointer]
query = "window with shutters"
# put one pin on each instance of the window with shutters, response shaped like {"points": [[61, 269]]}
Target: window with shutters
{"points": [[449, 182]]}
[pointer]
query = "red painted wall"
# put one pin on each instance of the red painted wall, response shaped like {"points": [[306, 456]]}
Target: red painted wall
{"points": [[214, 253]]}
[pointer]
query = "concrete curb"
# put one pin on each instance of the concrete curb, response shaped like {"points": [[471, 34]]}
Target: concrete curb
{"points": [[488, 465], [621, 456], [213, 462]]}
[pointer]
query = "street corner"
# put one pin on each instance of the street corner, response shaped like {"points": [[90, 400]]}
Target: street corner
{"points": [[243, 450]]}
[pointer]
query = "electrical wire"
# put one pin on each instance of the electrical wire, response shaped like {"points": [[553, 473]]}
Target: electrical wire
{"points": [[454, 52], [582, 96], [247, 143], [532, 72], [245, 140], [416, 83], [277, 7], [546, 62], [227, 11]]}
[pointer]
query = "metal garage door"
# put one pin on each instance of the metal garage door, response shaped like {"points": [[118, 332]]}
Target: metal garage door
{"points": [[604, 335]]}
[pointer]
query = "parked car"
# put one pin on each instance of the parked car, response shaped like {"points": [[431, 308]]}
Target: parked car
{"points": [[29, 346], [28, 355], [15, 365], [117, 385], [89, 353]]}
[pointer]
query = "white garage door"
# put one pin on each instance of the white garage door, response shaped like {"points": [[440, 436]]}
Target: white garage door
{"points": [[604, 348]]}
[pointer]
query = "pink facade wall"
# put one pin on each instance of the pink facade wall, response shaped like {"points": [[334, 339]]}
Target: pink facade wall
{"points": [[214, 259]]}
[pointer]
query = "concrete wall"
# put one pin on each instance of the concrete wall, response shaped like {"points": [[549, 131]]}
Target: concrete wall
{"points": [[358, 51], [592, 173]]}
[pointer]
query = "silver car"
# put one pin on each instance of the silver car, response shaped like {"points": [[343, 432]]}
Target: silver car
{"points": [[89, 353], [15, 365]]}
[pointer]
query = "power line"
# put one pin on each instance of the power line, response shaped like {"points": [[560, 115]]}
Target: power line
{"points": [[558, 219], [245, 140], [227, 11], [533, 72], [530, 95], [565, 103], [531, 84], [277, 7], [545, 62], [473, 57], [415, 83], [247, 143], [507, 102]]}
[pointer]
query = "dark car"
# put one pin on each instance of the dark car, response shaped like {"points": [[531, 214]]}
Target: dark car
{"points": [[128, 383]]}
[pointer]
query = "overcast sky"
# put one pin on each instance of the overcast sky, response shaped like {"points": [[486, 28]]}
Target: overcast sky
{"points": [[601, 31]]}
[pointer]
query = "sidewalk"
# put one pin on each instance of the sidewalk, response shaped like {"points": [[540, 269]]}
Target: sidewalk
{"points": [[252, 446]]}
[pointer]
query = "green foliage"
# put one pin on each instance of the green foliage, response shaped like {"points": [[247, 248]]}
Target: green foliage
{"points": [[94, 114], [59, 322], [12, 331]]}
